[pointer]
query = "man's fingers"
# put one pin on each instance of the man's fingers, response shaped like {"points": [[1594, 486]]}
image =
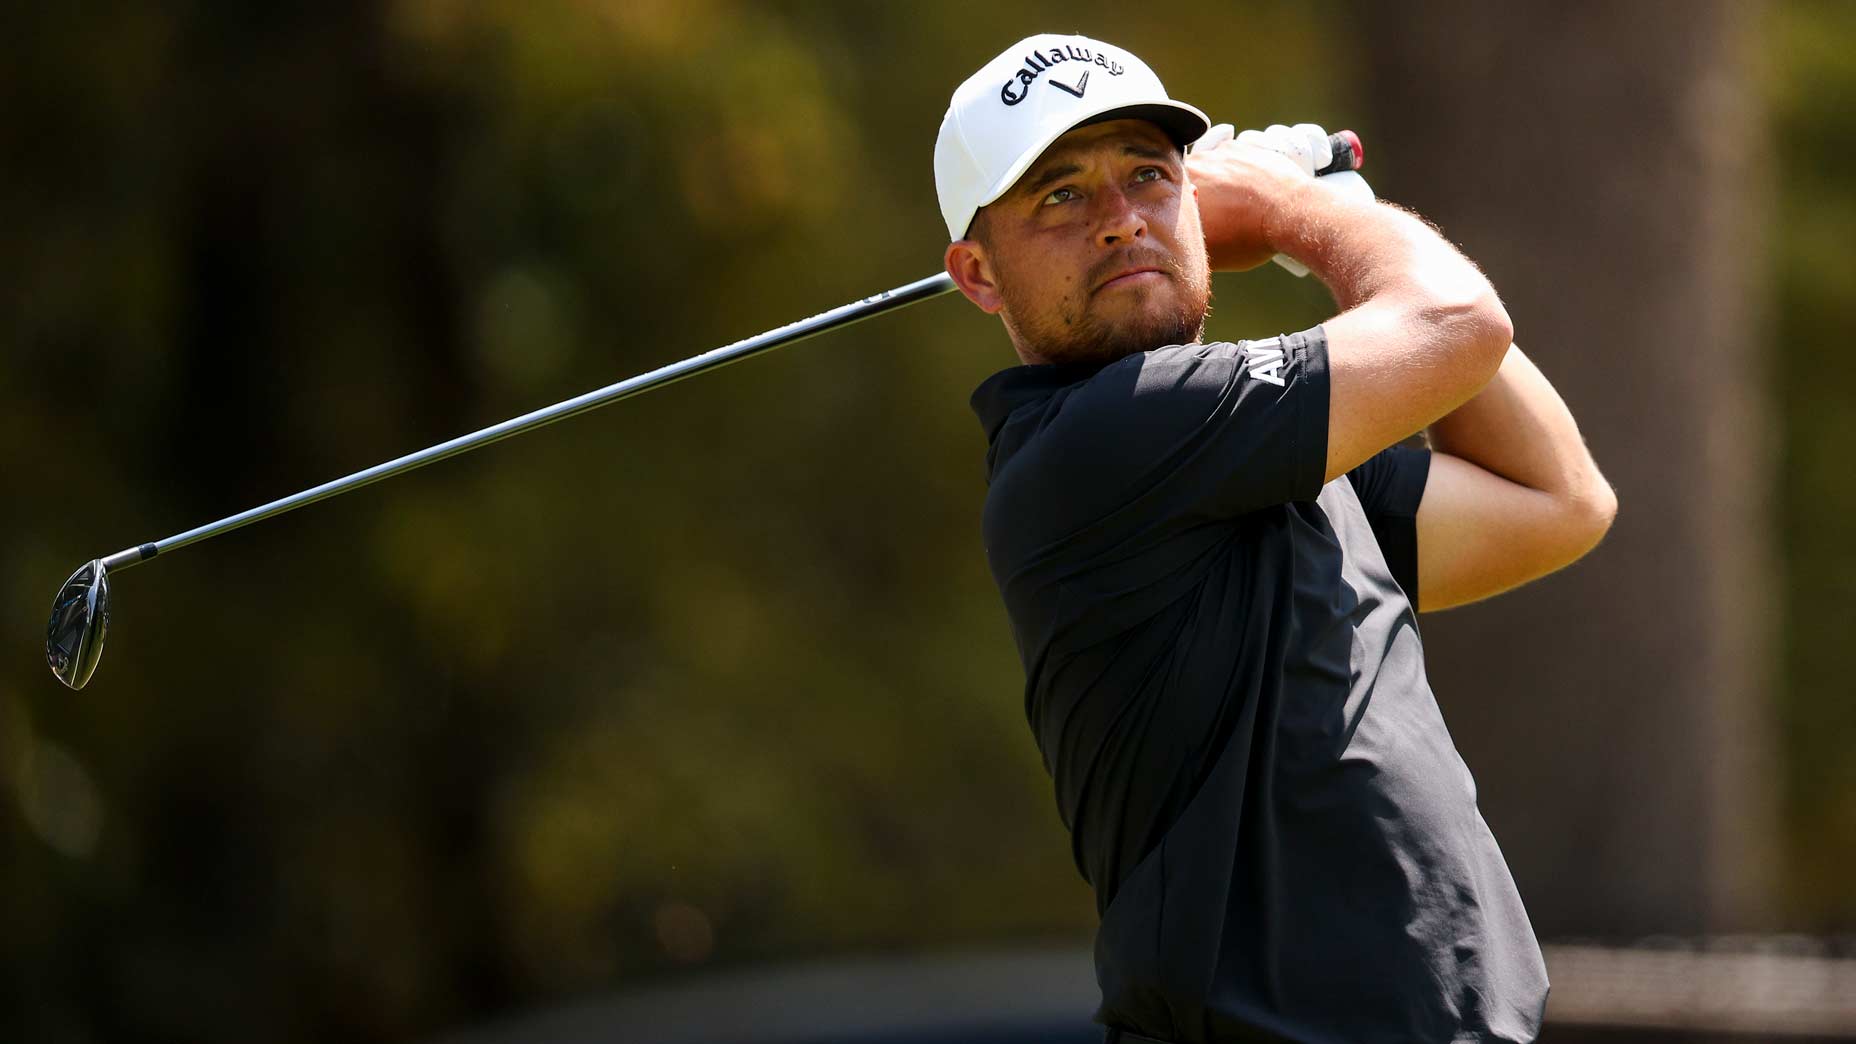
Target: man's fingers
{"points": [[1292, 145], [1305, 143], [1321, 146], [1216, 136], [1257, 139]]}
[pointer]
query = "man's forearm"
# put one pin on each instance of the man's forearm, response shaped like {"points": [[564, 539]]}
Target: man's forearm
{"points": [[1518, 427], [1374, 249], [1420, 331], [1254, 204]]}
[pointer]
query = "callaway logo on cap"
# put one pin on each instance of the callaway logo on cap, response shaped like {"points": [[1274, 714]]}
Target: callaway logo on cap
{"points": [[1004, 117]]}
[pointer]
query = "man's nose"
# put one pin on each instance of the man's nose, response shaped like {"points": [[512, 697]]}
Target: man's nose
{"points": [[1120, 222]]}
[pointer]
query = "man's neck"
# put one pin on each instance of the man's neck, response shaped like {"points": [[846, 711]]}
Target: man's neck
{"points": [[1030, 357]]}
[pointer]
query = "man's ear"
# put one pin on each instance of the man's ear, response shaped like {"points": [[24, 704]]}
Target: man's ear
{"points": [[968, 264]]}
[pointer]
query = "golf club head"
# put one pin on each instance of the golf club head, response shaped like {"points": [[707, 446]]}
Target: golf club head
{"points": [[80, 619]]}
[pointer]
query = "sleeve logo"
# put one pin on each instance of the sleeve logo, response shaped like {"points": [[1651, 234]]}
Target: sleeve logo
{"points": [[1264, 360]]}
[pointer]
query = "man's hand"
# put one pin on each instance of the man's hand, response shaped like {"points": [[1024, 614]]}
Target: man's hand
{"points": [[1513, 494], [1243, 193]]}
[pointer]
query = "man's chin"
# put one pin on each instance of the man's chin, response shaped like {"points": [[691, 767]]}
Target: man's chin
{"points": [[1117, 343], [1111, 339], [1118, 324]]}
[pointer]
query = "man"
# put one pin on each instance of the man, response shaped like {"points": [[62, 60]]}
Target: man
{"points": [[1212, 556]]}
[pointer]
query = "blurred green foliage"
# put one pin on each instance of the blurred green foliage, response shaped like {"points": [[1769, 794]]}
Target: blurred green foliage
{"points": [[714, 676], [1811, 77]]}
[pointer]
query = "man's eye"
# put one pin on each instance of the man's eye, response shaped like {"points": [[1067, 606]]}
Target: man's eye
{"points": [[1062, 195], [1148, 174]]}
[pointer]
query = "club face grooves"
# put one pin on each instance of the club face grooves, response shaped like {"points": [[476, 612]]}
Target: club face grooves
{"points": [[80, 621]]}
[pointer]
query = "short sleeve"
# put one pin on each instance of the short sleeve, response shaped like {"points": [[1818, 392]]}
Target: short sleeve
{"points": [[1390, 486], [1206, 429]]}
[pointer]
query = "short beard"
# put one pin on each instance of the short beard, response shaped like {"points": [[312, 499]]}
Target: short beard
{"points": [[1080, 338]]}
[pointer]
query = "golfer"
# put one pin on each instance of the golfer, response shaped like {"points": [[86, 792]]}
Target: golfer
{"points": [[1213, 556]]}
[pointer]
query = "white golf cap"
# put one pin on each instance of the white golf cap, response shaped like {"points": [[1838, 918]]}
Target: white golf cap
{"points": [[1004, 117]]}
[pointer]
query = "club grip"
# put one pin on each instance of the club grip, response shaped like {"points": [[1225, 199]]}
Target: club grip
{"points": [[1349, 154]]}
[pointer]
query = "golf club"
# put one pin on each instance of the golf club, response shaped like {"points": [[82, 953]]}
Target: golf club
{"points": [[81, 612]]}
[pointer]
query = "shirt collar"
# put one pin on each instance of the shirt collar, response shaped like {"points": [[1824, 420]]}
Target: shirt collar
{"points": [[1005, 392]]}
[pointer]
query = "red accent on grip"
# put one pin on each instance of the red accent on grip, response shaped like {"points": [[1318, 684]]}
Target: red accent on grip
{"points": [[1359, 150], [1347, 153]]}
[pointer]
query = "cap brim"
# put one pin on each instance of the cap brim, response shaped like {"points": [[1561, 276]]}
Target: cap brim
{"points": [[1183, 123]]}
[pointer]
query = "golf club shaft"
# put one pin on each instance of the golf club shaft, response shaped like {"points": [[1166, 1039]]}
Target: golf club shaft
{"points": [[920, 290]]}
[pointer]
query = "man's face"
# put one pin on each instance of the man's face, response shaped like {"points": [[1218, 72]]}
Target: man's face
{"points": [[1096, 252]]}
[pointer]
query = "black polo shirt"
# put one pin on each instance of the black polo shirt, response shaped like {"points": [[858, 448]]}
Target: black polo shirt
{"points": [[1224, 675]]}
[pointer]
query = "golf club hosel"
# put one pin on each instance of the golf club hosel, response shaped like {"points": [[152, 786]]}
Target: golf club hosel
{"points": [[132, 556]]}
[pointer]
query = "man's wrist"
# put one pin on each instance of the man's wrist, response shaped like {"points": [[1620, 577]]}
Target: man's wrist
{"points": [[1286, 225]]}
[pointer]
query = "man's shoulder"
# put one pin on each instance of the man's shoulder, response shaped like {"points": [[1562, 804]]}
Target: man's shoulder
{"points": [[1130, 380], [1213, 365]]}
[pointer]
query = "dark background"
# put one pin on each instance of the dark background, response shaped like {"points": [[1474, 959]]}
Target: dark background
{"points": [[717, 678]]}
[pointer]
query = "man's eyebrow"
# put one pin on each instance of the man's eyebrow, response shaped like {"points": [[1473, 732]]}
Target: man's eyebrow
{"points": [[1049, 175], [1057, 172]]}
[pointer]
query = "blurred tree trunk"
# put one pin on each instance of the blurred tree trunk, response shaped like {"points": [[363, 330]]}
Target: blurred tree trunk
{"points": [[1601, 162]]}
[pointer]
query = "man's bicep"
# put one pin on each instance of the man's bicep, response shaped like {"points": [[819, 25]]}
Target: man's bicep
{"points": [[1391, 372], [1480, 534]]}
